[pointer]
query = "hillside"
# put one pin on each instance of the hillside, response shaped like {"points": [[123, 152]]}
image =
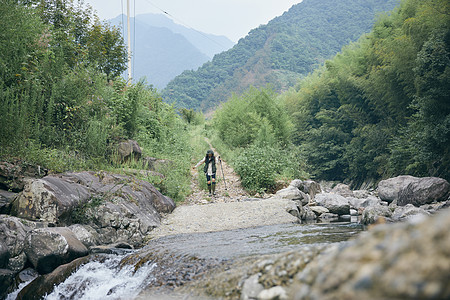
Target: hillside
{"points": [[165, 49], [208, 44], [279, 53]]}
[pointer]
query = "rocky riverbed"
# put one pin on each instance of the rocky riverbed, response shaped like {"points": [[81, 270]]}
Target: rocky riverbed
{"points": [[52, 223]]}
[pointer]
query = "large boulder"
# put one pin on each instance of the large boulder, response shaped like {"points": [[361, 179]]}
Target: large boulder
{"points": [[343, 190], [48, 248], [334, 203], [423, 191], [118, 207], [50, 199], [408, 260], [389, 189], [44, 284], [403, 190], [293, 193], [372, 214], [13, 232]]}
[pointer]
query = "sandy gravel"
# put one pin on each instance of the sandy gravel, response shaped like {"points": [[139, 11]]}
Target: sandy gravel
{"points": [[225, 216]]}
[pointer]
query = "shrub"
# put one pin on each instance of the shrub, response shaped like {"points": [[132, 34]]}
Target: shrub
{"points": [[261, 165]]}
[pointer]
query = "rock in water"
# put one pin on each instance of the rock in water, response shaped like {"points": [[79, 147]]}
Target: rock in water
{"points": [[407, 260], [293, 193], [373, 213], [334, 203], [423, 191], [388, 189], [403, 190], [48, 248], [251, 288]]}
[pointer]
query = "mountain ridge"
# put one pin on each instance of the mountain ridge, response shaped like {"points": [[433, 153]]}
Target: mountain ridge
{"points": [[161, 54], [278, 53]]}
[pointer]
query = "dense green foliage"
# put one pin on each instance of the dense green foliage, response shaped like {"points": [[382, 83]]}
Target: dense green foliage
{"points": [[279, 53], [62, 105], [382, 106], [254, 132]]}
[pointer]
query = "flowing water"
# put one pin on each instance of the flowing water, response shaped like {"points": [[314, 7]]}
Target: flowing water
{"points": [[124, 276]]}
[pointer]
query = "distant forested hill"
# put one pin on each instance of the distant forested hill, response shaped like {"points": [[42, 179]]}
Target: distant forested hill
{"points": [[279, 53], [164, 49]]}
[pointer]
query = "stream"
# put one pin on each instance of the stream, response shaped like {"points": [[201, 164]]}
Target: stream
{"points": [[174, 260]]}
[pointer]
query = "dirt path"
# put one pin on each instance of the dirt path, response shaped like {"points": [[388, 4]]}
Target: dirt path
{"points": [[230, 209], [233, 192]]}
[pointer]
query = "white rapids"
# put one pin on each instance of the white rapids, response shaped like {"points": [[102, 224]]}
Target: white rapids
{"points": [[104, 280]]}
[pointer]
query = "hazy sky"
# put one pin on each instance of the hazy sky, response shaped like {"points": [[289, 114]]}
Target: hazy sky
{"points": [[232, 18]]}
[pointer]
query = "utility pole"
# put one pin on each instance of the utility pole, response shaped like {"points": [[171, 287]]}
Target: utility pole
{"points": [[129, 42]]}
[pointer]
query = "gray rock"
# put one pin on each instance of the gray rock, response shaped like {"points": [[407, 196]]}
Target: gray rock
{"points": [[329, 217], [308, 214], [357, 203], [361, 194], [345, 217], [251, 288], [48, 248], [129, 150], [4, 255], [319, 210], [13, 175], [13, 232], [6, 279], [353, 212], [274, 293], [293, 193], [6, 199], [17, 263], [311, 187], [292, 208], [85, 234], [156, 164], [44, 285], [388, 190], [423, 191], [408, 211], [435, 207], [297, 183], [373, 213], [343, 190], [407, 260], [49, 199], [335, 203], [120, 206]]}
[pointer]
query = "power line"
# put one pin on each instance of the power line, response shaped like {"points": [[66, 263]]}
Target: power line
{"points": [[123, 26], [184, 24], [134, 36]]}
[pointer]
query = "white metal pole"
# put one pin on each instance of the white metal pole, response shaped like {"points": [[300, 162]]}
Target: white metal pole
{"points": [[129, 42]]}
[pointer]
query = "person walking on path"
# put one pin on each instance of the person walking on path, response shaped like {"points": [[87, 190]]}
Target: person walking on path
{"points": [[210, 170]]}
